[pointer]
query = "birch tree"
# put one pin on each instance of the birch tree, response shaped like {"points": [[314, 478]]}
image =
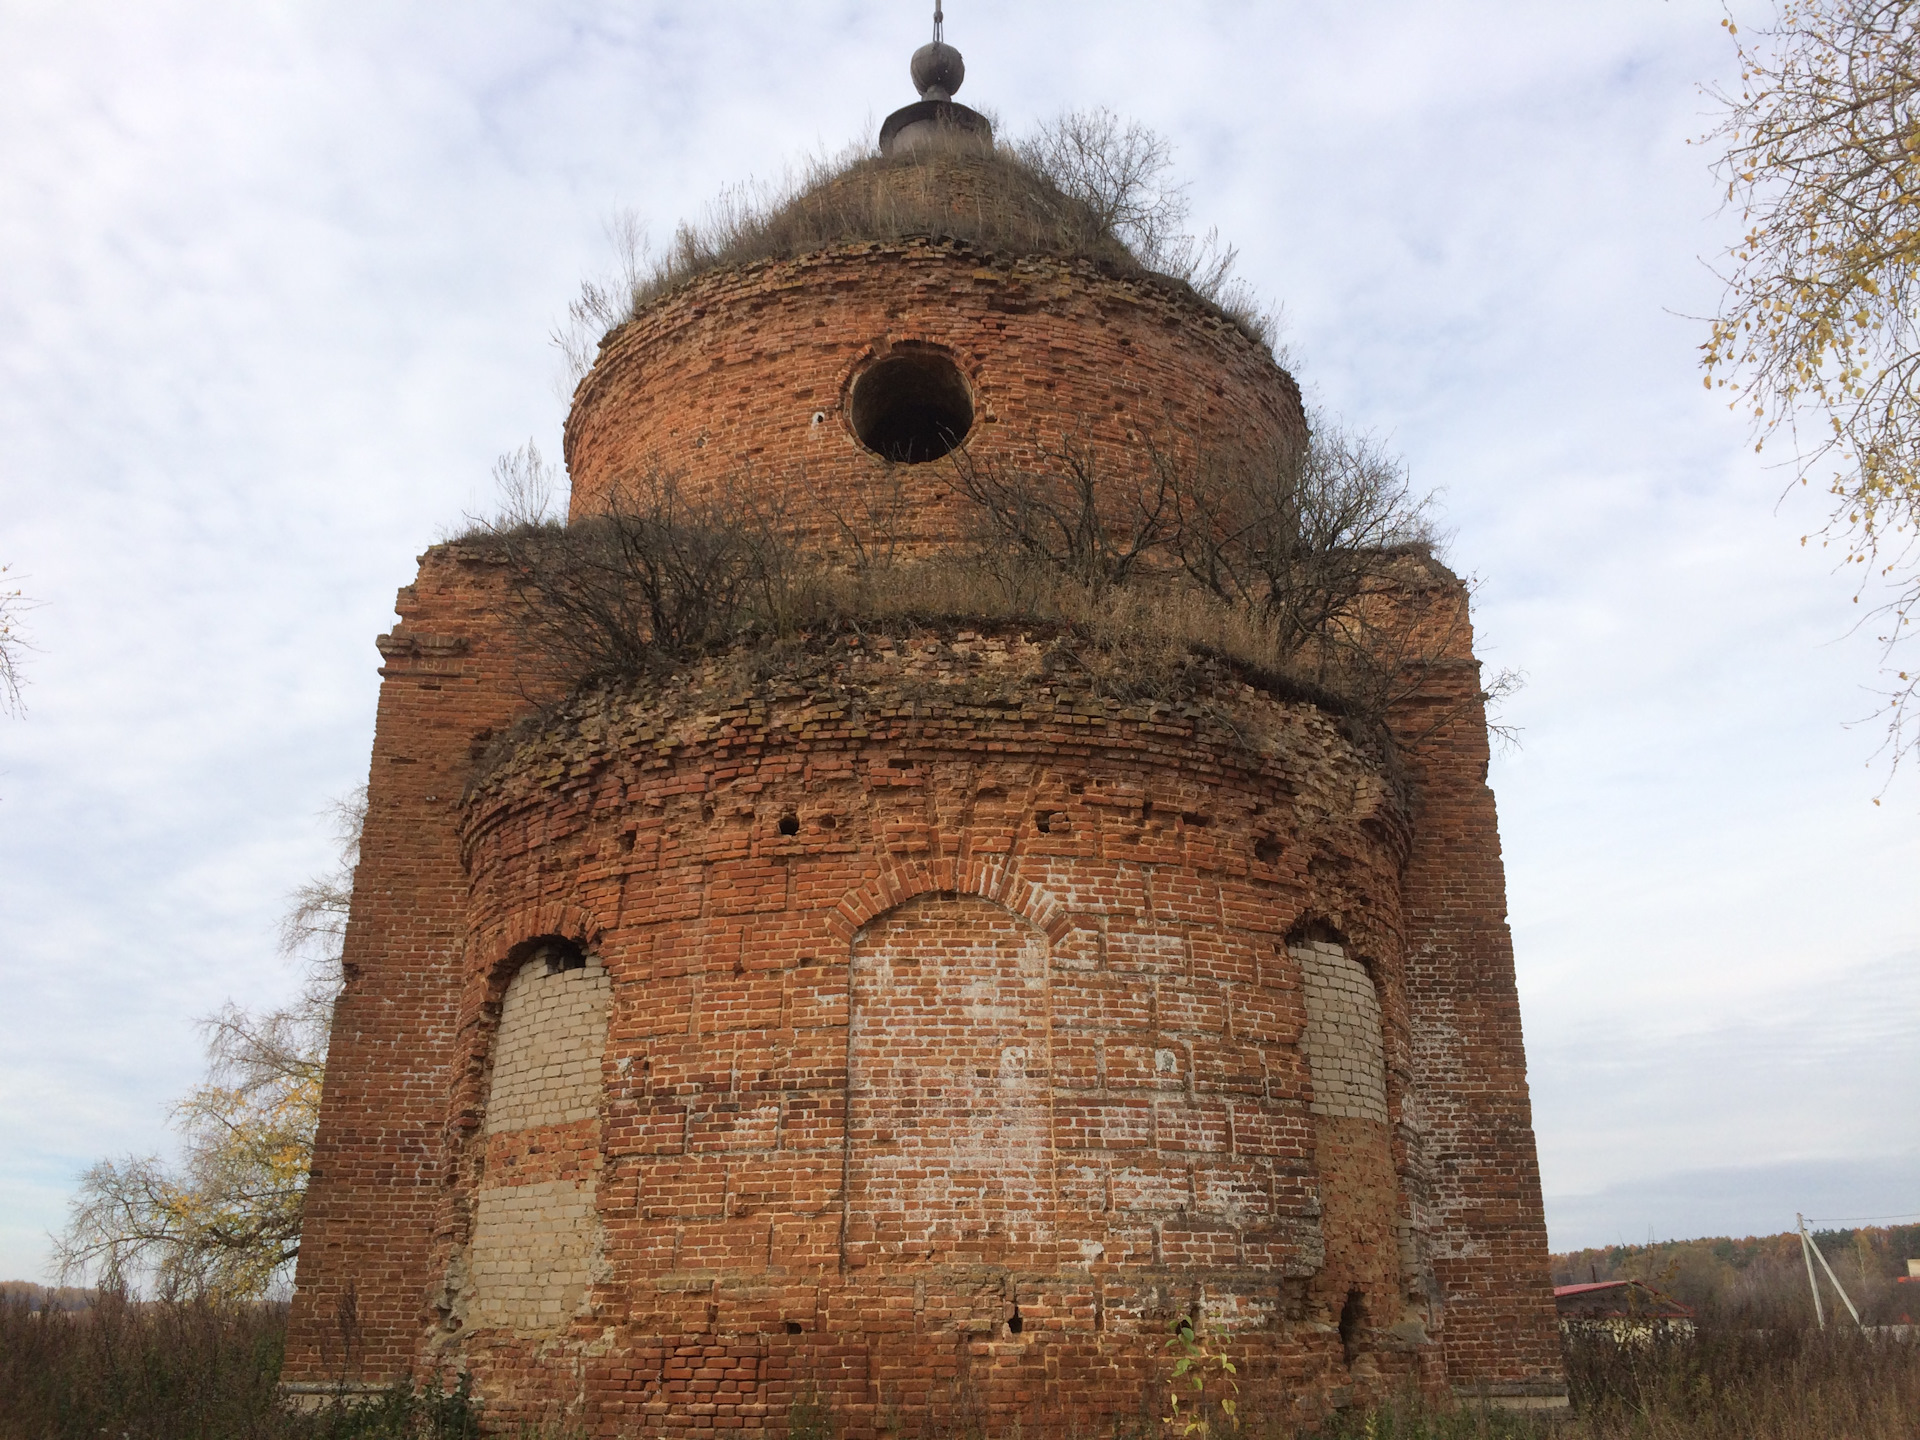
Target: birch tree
{"points": [[1817, 336]]}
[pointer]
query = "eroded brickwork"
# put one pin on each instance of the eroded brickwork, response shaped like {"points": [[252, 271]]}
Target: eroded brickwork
{"points": [[948, 1026], [1481, 1204], [450, 673], [956, 1040]]}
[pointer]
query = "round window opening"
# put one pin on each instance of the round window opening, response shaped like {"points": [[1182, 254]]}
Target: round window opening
{"points": [[912, 407]]}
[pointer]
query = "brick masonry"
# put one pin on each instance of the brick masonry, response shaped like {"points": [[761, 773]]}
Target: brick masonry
{"points": [[748, 372], [1345, 1050], [537, 1237], [949, 1028]]}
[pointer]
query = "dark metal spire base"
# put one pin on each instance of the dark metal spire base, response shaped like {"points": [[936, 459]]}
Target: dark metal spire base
{"points": [[928, 120]]}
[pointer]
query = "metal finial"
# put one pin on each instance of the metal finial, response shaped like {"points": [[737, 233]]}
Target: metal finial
{"points": [[938, 68], [937, 72]]}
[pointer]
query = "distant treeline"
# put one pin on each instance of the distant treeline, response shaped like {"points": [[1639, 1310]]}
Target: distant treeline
{"points": [[45, 1297], [1764, 1277]]}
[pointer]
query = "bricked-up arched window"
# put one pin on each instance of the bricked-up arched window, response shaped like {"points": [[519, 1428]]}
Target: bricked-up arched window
{"points": [[1353, 1150], [536, 1222], [559, 954], [912, 406], [1345, 1049]]}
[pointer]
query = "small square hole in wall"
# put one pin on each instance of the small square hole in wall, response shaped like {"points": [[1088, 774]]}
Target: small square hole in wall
{"points": [[789, 824]]}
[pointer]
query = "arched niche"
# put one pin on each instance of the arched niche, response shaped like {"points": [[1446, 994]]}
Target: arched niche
{"points": [[1362, 1282], [536, 1227], [949, 1079]]}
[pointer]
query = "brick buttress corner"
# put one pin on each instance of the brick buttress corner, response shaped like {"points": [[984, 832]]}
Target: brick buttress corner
{"points": [[449, 681], [1484, 1215]]}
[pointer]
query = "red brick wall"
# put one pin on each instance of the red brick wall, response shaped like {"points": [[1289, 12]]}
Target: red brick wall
{"points": [[776, 1214], [379, 1163], [721, 380], [762, 1082], [1478, 1186]]}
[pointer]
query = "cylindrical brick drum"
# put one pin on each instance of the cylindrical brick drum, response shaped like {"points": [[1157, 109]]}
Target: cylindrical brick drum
{"points": [[917, 1030], [817, 379]]}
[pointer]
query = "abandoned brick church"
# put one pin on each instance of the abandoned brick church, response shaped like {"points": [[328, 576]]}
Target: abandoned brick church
{"points": [[904, 1023]]}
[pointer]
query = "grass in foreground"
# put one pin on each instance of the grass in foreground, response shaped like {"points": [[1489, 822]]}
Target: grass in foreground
{"points": [[1719, 1384], [173, 1370], [194, 1370]]}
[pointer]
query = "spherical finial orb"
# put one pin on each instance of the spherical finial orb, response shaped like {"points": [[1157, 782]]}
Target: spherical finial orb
{"points": [[938, 71]]}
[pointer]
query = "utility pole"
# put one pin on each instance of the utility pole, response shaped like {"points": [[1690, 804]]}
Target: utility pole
{"points": [[1810, 1252]]}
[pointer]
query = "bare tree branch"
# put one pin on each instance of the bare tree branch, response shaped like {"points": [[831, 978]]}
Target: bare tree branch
{"points": [[226, 1221], [13, 643]]}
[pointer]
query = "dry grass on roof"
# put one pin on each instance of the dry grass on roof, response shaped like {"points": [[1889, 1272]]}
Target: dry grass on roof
{"points": [[989, 199], [1023, 200], [1310, 576]]}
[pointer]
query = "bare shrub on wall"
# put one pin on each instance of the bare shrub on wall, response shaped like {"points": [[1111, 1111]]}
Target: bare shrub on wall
{"points": [[1313, 562], [1121, 170], [650, 578], [1313, 571], [1064, 517], [1325, 544], [529, 488]]}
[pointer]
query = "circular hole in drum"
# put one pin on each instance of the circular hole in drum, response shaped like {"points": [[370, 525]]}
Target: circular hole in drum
{"points": [[912, 407]]}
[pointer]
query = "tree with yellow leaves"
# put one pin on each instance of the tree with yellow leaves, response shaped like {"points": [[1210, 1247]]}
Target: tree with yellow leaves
{"points": [[226, 1221], [1818, 335]]}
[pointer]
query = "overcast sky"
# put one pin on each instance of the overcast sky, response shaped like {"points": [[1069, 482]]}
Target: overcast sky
{"points": [[276, 287]]}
